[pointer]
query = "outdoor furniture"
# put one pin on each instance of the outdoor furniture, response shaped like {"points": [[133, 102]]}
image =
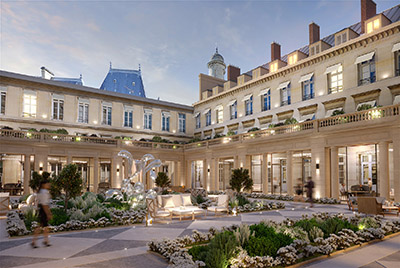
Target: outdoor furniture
{"points": [[154, 211], [178, 205], [12, 188], [360, 190], [183, 211], [103, 186], [388, 209], [4, 203], [222, 205], [369, 205]]}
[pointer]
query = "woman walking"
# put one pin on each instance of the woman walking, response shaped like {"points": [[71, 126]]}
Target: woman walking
{"points": [[43, 200]]}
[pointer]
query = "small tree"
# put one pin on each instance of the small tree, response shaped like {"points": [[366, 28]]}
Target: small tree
{"points": [[241, 180], [162, 180], [70, 182]]}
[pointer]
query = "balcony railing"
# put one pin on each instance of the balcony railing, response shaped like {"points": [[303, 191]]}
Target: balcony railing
{"points": [[314, 125]]}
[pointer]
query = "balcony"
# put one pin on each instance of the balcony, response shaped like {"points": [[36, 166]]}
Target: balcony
{"points": [[308, 96]]}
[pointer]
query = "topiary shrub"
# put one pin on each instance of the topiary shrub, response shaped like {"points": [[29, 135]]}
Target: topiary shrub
{"points": [[240, 180], [162, 180], [156, 139], [337, 112]]}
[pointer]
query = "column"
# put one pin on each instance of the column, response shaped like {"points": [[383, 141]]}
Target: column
{"points": [[289, 172], [320, 167], [95, 174], [179, 173], [335, 172], [215, 173], [396, 167], [236, 163], [27, 173], [264, 169], [206, 178], [383, 169], [69, 159], [188, 172]]}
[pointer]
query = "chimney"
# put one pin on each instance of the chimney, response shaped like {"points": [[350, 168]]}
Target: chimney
{"points": [[313, 32], [275, 51], [233, 73], [368, 10], [46, 73]]}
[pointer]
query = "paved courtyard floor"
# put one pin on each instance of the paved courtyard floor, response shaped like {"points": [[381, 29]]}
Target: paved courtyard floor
{"points": [[126, 246]]}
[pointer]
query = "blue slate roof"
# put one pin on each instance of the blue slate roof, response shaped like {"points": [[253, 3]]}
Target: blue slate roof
{"points": [[124, 81], [74, 81]]}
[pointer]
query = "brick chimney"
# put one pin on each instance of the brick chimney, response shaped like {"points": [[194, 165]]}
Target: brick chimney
{"points": [[233, 73], [275, 51], [368, 10], [313, 32]]}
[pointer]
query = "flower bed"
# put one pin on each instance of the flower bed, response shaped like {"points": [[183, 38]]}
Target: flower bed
{"points": [[270, 244]]}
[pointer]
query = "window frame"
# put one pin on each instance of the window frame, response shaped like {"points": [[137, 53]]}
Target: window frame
{"points": [[266, 96], [182, 123], [198, 121], [3, 99], [397, 63], [233, 110], [286, 91], [370, 64], [59, 113], [85, 112], [336, 73], [148, 120], [128, 114], [208, 118], [165, 121], [248, 106], [30, 113], [106, 114], [219, 116], [311, 94]]}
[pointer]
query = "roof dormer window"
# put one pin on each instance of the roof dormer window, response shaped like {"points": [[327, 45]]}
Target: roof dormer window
{"points": [[292, 59], [273, 67], [373, 25]]}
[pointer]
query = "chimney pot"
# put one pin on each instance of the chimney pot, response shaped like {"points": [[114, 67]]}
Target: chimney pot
{"points": [[275, 51], [233, 73], [368, 10], [313, 32]]}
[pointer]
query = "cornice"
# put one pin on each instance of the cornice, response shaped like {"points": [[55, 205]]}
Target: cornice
{"points": [[353, 44]]}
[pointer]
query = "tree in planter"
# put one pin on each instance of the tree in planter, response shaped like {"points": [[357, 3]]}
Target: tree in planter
{"points": [[241, 180], [162, 180], [70, 182]]}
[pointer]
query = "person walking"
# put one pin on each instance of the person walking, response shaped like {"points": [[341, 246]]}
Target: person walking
{"points": [[43, 200], [310, 187], [298, 188]]}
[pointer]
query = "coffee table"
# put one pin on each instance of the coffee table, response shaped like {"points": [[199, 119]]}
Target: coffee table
{"points": [[184, 212], [391, 208]]}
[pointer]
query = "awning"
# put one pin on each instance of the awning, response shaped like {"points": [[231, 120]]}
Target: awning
{"points": [[206, 111], [396, 47], [306, 77], [231, 102], [264, 91], [283, 85], [219, 107], [307, 117], [247, 97], [265, 119], [372, 103], [365, 57], [196, 114], [219, 130], [332, 68]]}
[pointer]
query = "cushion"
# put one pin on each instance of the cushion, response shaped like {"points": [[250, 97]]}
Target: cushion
{"points": [[162, 213], [187, 200], [167, 202], [159, 201], [222, 200], [177, 200], [217, 208]]}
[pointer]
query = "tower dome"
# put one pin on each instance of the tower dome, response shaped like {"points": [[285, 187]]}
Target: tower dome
{"points": [[216, 66]]}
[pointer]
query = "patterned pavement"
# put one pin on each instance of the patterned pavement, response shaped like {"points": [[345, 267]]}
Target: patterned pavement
{"points": [[126, 246]]}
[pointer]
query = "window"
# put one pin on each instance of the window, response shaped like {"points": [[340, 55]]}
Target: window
{"points": [[341, 38], [83, 111], [182, 123], [128, 116], [107, 114], [165, 121], [219, 115], [397, 62], [2, 102], [198, 121], [208, 118], [285, 95], [248, 104], [335, 80], [266, 101], [292, 59], [273, 67], [366, 72], [29, 108], [317, 49], [312, 51], [148, 117], [308, 89], [233, 110], [373, 25], [58, 107]]}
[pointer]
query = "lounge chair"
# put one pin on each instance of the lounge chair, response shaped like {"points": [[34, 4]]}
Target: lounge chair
{"points": [[222, 205]]}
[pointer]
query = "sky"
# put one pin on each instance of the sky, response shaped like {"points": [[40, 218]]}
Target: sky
{"points": [[171, 40]]}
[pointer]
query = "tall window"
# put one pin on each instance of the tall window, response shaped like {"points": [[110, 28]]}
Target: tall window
{"points": [[165, 121], [128, 116], [335, 80], [148, 118], [198, 121], [208, 118], [233, 110], [83, 111], [220, 115], [285, 95], [182, 123], [366, 72], [107, 114], [266, 101], [373, 25], [2, 102], [397, 62], [308, 89], [58, 107], [29, 108], [248, 104]]}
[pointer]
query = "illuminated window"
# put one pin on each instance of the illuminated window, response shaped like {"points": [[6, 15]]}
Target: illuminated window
{"points": [[285, 95], [373, 25], [366, 72], [292, 59], [220, 115], [308, 89], [29, 109], [273, 67], [335, 80]]}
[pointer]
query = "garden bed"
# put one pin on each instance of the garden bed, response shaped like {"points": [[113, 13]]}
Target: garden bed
{"points": [[271, 244]]}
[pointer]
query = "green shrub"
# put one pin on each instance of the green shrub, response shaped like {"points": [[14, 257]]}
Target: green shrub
{"points": [[315, 233], [290, 121], [335, 225], [30, 216], [61, 131], [230, 133], [242, 234], [157, 139], [364, 107], [240, 180], [221, 248], [337, 112], [242, 200], [307, 224], [115, 203], [100, 197], [368, 223], [198, 252], [162, 180], [253, 129], [200, 199], [59, 216]]}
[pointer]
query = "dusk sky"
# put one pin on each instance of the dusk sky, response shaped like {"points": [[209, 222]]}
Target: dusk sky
{"points": [[172, 40]]}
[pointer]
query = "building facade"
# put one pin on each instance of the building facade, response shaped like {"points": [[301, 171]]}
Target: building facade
{"points": [[329, 110]]}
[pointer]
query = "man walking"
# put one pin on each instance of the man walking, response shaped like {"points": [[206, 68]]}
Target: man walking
{"points": [[310, 187]]}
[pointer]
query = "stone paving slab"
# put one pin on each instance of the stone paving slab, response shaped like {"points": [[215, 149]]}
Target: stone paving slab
{"points": [[113, 244], [147, 234], [138, 261], [12, 261]]}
